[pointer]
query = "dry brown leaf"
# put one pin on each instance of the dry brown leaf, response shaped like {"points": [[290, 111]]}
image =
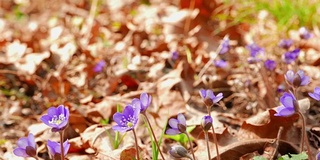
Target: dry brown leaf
{"points": [[266, 125]]}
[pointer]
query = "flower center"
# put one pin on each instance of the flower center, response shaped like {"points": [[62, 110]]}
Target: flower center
{"points": [[57, 120], [129, 124]]}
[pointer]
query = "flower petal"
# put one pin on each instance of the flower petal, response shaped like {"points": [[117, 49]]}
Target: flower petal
{"points": [[45, 119], [128, 110], [173, 123], [31, 141], [289, 76], [202, 93], [172, 131], [145, 100], [136, 103], [210, 94], [317, 90], [181, 119], [118, 118], [20, 152], [66, 146], [121, 129], [218, 98], [52, 111], [23, 142], [315, 96]]}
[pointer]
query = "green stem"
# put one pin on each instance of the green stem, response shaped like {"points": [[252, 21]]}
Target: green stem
{"points": [[190, 143], [136, 141], [61, 144], [207, 140], [154, 137]]}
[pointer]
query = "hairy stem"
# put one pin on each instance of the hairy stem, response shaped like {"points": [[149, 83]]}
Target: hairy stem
{"points": [[136, 141], [61, 144], [154, 137], [190, 143], [304, 136], [215, 140], [207, 141]]}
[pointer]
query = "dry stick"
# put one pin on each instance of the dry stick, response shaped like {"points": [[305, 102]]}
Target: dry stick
{"points": [[207, 65], [207, 140], [215, 140], [61, 144], [154, 137], [187, 24], [277, 142], [90, 20], [190, 143], [136, 141]]}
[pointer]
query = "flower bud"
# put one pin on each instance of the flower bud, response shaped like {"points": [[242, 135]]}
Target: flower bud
{"points": [[177, 151], [206, 122]]}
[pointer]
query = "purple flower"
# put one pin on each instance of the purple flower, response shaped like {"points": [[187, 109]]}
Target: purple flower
{"points": [[304, 33], [26, 147], [143, 103], [54, 148], [57, 118], [316, 94], [297, 79], [224, 45], [209, 98], [285, 43], [175, 55], [255, 51], [99, 66], [281, 88], [206, 122], [177, 125], [318, 156], [270, 64], [289, 103], [127, 120], [291, 56], [220, 63]]}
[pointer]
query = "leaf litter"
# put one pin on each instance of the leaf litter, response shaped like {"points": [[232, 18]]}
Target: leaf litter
{"points": [[49, 55]]}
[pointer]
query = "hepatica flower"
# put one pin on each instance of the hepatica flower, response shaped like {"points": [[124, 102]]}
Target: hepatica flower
{"points": [[209, 98], [127, 120], [285, 43], [206, 122], [291, 56], [297, 79], [174, 55], [57, 118], [304, 33], [26, 147], [316, 94], [99, 66], [270, 64], [289, 103], [256, 52], [177, 126], [143, 103], [224, 45], [220, 63], [54, 148]]}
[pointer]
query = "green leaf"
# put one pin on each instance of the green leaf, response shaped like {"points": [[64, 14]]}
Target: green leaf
{"points": [[301, 156], [182, 138], [259, 158]]}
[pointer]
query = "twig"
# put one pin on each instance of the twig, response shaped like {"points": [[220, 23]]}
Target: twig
{"points": [[277, 142]]}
